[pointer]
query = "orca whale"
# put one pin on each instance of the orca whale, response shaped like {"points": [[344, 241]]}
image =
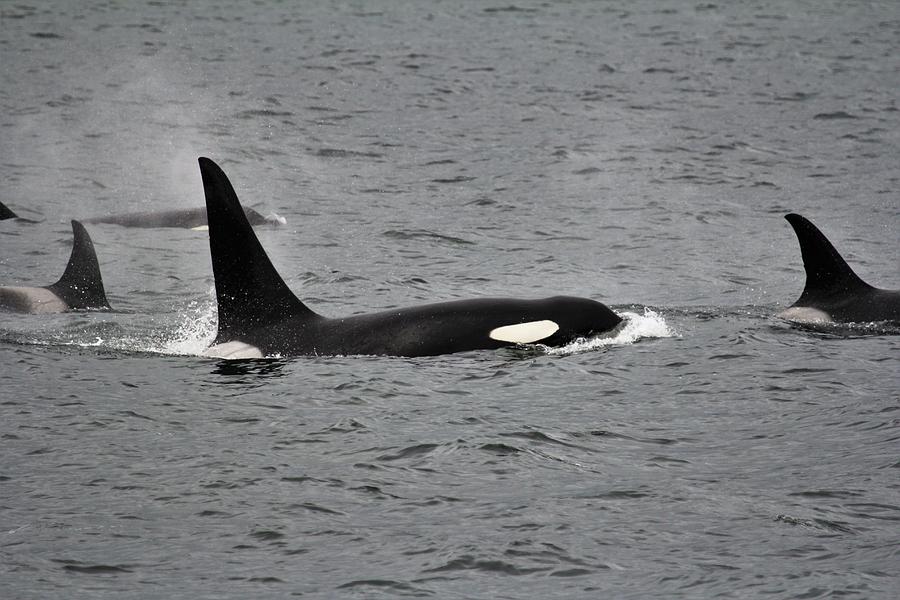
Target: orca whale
{"points": [[80, 286], [187, 218], [6, 213], [260, 316], [833, 292]]}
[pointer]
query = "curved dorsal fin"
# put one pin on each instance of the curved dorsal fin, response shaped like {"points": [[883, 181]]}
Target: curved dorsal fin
{"points": [[6, 213], [81, 285], [249, 291], [826, 270]]}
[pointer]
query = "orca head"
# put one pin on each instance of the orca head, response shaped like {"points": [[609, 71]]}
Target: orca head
{"points": [[580, 318], [81, 285], [557, 321], [250, 293]]}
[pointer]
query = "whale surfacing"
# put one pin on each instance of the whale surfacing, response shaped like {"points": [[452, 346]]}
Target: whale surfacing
{"points": [[183, 218], [79, 288], [833, 293], [6, 213], [260, 316]]}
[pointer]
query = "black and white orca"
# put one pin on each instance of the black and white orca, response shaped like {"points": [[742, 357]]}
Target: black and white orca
{"points": [[6, 213], [260, 316], [186, 218], [833, 292], [79, 288]]}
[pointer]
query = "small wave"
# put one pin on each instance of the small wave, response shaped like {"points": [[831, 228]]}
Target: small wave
{"points": [[848, 330], [635, 327], [389, 585], [426, 235], [344, 153]]}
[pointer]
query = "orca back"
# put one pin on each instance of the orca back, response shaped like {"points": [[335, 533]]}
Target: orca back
{"points": [[184, 218], [249, 291], [827, 273], [81, 285]]}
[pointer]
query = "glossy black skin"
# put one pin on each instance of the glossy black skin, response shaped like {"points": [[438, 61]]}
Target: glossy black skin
{"points": [[187, 218], [256, 306], [429, 329], [833, 287], [6, 213]]}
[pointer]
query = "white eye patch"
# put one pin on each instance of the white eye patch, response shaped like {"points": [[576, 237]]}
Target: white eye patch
{"points": [[233, 350], [524, 333], [200, 228]]}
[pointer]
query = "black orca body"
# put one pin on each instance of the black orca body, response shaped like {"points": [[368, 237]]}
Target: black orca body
{"points": [[260, 316], [6, 213], [80, 286], [187, 218], [833, 292]]}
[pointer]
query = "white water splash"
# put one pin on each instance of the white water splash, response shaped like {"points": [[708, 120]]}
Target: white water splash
{"points": [[634, 327], [195, 333], [274, 217]]}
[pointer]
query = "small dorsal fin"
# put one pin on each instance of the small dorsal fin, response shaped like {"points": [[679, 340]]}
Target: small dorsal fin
{"points": [[6, 213], [826, 270], [249, 291], [81, 285]]}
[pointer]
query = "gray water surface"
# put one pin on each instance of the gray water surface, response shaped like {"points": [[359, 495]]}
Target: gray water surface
{"points": [[639, 153]]}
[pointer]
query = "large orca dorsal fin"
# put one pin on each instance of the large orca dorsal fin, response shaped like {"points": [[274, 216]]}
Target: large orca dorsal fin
{"points": [[6, 213], [249, 291], [81, 285], [826, 270]]}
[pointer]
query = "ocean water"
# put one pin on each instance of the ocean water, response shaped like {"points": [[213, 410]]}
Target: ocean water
{"points": [[639, 153]]}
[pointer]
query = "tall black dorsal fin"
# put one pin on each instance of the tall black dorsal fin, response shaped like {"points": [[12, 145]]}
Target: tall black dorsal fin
{"points": [[826, 270], [249, 291], [6, 213], [81, 285]]}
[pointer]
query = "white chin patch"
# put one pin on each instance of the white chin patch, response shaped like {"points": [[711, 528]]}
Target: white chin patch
{"points": [[233, 350], [524, 333], [805, 314]]}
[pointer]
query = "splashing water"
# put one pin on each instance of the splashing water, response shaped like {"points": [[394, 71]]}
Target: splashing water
{"points": [[196, 331], [633, 328]]}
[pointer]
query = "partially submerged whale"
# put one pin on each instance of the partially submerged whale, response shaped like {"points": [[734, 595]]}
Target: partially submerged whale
{"points": [[80, 286], [6, 213], [186, 218], [833, 292], [260, 316]]}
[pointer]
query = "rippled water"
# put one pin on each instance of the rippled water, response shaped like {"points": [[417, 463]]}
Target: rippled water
{"points": [[638, 153]]}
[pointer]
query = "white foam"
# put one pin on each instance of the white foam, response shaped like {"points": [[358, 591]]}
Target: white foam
{"points": [[275, 217], [634, 327], [196, 332]]}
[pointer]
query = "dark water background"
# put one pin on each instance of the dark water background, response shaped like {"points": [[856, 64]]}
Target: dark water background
{"points": [[640, 153]]}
